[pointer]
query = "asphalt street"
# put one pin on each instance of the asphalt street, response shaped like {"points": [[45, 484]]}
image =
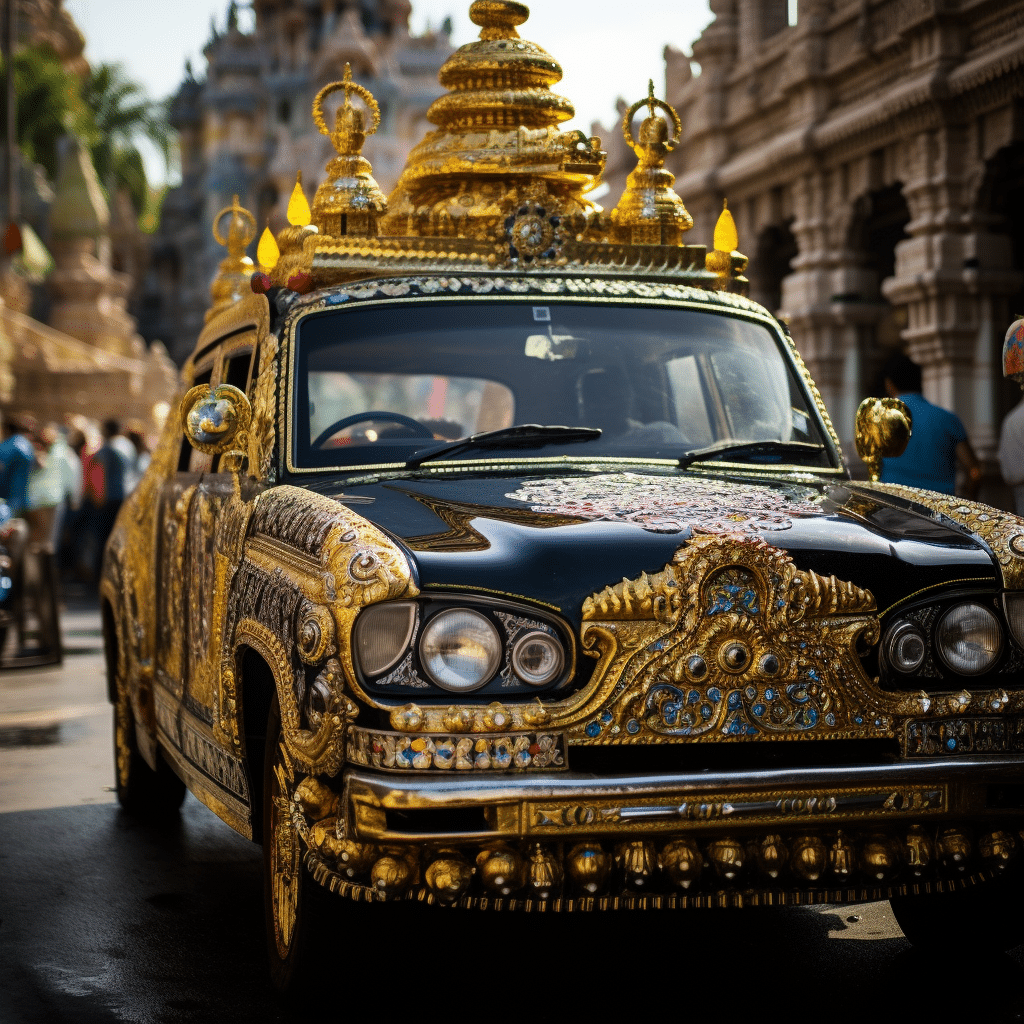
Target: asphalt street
{"points": [[106, 919]]}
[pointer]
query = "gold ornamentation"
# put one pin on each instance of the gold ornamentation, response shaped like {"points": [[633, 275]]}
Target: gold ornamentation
{"points": [[954, 849], [215, 418], [650, 212], [501, 870], [497, 147], [1003, 532], [589, 866], [771, 854], [534, 751], [448, 877], [292, 261], [728, 857], [233, 276], [315, 639], [730, 641], [392, 874], [809, 858], [883, 428], [918, 850], [636, 861], [348, 202], [682, 861], [544, 873], [997, 849], [880, 857], [262, 431], [284, 856], [724, 260]]}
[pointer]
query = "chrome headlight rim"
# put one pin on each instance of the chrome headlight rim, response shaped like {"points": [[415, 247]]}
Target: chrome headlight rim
{"points": [[897, 635], [942, 647], [489, 637], [517, 655]]}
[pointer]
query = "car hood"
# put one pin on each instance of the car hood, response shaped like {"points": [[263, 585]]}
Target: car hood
{"points": [[555, 540]]}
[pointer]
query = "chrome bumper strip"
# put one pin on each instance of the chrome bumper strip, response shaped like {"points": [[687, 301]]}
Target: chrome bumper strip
{"points": [[570, 804]]}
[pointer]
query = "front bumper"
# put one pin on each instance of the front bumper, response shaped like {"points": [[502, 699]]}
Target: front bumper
{"points": [[380, 807]]}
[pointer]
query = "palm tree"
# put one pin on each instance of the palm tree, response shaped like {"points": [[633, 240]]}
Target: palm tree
{"points": [[123, 114]]}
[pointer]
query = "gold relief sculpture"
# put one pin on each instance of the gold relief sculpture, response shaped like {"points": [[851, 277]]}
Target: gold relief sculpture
{"points": [[730, 641], [650, 212], [883, 428]]}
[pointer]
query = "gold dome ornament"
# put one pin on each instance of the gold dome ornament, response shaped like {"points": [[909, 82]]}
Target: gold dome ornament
{"points": [[235, 272], [498, 147], [650, 212], [349, 202]]}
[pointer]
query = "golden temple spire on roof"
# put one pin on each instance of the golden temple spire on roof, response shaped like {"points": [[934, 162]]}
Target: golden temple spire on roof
{"points": [[349, 201], [497, 146], [650, 212], [724, 260], [233, 276]]}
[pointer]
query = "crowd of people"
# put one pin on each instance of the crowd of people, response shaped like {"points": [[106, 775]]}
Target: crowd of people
{"points": [[66, 484]]}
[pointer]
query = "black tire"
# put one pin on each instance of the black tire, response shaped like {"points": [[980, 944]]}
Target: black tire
{"points": [[297, 908], [981, 919], [141, 792]]}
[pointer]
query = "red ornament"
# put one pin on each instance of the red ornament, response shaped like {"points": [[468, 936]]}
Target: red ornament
{"points": [[301, 282], [260, 283]]}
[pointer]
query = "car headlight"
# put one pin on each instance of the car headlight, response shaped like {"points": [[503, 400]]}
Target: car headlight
{"points": [[969, 639], [537, 658], [382, 634], [460, 649], [905, 647]]}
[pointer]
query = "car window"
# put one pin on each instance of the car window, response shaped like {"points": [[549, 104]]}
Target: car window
{"points": [[375, 385]]}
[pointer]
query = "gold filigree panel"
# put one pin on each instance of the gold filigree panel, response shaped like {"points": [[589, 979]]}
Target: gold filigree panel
{"points": [[731, 641]]}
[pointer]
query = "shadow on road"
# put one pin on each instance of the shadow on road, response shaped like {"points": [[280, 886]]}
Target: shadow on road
{"points": [[105, 919]]}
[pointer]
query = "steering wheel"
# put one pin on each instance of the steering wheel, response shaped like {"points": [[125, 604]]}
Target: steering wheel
{"points": [[418, 430]]}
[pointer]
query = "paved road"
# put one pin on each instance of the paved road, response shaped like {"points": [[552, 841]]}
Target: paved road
{"points": [[103, 919]]}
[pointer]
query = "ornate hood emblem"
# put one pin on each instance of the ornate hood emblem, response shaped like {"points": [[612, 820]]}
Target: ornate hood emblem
{"points": [[731, 640]]}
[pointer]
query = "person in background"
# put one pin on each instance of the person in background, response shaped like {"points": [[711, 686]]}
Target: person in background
{"points": [[1011, 453], [938, 443], [17, 457], [108, 482], [55, 485], [142, 456]]}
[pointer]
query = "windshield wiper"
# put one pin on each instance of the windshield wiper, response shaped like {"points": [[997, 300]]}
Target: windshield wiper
{"points": [[523, 435], [773, 451]]}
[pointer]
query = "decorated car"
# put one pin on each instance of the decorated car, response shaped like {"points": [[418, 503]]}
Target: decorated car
{"points": [[503, 556]]}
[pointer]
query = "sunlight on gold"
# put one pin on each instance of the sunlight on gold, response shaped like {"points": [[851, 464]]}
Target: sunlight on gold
{"points": [[268, 253]]}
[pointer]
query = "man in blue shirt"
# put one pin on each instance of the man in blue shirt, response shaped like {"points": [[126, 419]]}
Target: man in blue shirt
{"points": [[17, 457], [938, 442]]}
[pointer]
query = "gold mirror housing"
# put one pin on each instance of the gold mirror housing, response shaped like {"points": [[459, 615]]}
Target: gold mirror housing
{"points": [[215, 419], [883, 428]]}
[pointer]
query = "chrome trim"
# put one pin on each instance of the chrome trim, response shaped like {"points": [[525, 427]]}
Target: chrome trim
{"points": [[570, 804]]}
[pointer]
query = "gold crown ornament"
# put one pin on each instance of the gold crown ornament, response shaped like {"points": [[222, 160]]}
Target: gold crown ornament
{"points": [[235, 271]]}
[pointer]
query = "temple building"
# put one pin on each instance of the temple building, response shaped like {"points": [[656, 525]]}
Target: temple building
{"points": [[69, 345], [245, 129], [872, 152]]}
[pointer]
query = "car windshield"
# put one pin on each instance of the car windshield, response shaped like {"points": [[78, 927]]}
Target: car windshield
{"points": [[377, 385]]}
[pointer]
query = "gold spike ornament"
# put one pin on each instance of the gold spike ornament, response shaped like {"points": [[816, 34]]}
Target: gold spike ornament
{"points": [[650, 212], [293, 269], [725, 261], [349, 202], [235, 271]]}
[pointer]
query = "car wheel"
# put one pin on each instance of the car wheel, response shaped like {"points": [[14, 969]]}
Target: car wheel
{"points": [[296, 906], [983, 918], [140, 790]]}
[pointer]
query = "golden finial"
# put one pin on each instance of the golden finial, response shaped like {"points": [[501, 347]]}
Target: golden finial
{"points": [[724, 260], [235, 271], [650, 212], [349, 201], [299, 214]]}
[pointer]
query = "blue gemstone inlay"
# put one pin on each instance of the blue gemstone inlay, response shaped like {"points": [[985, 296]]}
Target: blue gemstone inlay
{"points": [[758, 710], [705, 711], [951, 743], [714, 694], [633, 726], [859, 720], [593, 729], [830, 719], [735, 701], [693, 696], [606, 717], [769, 694]]}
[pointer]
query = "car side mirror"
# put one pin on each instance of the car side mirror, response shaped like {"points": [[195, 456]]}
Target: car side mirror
{"points": [[883, 428], [215, 419]]}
